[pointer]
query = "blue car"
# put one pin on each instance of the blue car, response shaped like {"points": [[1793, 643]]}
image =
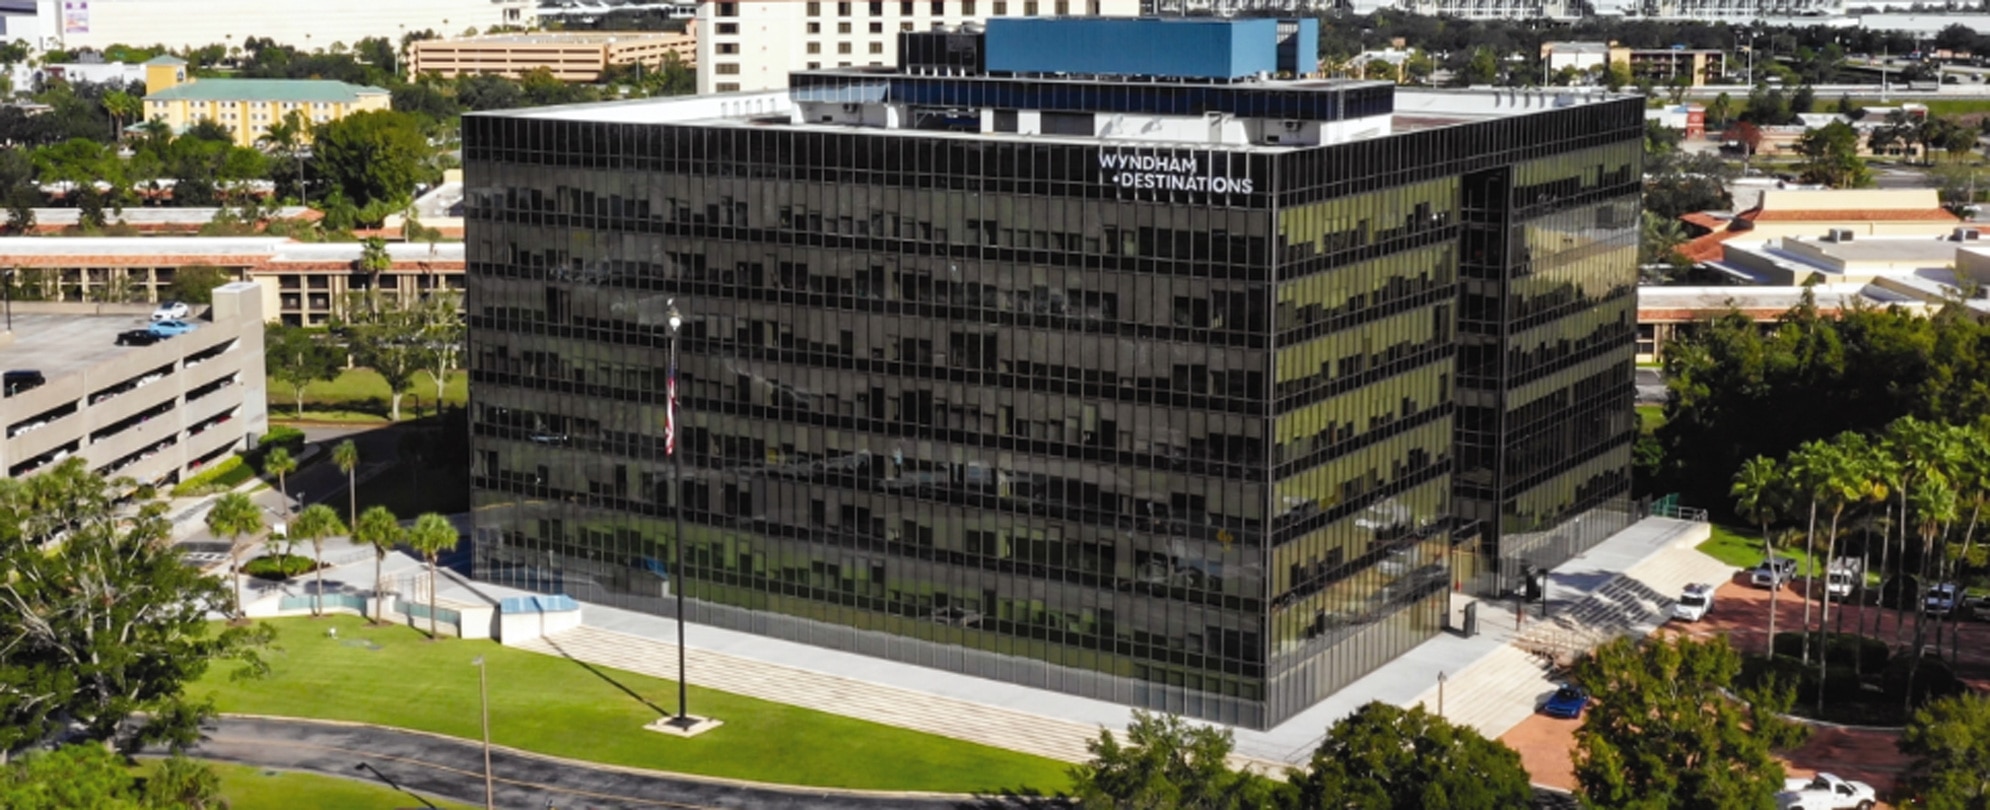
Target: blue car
{"points": [[1567, 703], [170, 328]]}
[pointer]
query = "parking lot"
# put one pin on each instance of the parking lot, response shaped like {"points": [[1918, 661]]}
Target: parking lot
{"points": [[1740, 613]]}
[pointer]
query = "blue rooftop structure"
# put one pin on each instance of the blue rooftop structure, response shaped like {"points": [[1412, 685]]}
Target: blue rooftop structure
{"points": [[1203, 49]]}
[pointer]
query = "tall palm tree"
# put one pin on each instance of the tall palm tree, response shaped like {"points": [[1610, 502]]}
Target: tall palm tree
{"points": [[431, 536], [1907, 441], [314, 524], [379, 528], [1847, 480], [346, 456], [374, 260], [286, 137], [234, 516], [280, 464], [1934, 506], [1810, 467], [123, 107], [1759, 492]]}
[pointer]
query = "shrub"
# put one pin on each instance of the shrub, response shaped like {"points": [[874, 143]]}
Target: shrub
{"points": [[225, 475], [1839, 649], [278, 566], [283, 436], [1933, 680]]}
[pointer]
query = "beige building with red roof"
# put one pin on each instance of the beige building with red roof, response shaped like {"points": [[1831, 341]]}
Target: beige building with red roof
{"points": [[1788, 212], [301, 283]]}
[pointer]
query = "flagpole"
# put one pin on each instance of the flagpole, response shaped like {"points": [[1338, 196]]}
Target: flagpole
{"points": [[677, 513]]}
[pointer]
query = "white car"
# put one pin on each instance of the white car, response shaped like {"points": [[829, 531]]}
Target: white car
{"points": [[172, 311], [1694, 603], [1942, 599], [1826, 792]]}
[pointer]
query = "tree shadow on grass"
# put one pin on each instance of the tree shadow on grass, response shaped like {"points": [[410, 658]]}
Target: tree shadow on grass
{"points": [[608, 680], [1023, 798]]}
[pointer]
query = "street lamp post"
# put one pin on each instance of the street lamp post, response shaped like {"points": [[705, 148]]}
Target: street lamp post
{"points": [[1440, 693], [677, 514], [484, 700], [9, 289]]}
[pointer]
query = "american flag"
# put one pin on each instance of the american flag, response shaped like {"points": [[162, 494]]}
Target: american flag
{"points": [[670, 414]]}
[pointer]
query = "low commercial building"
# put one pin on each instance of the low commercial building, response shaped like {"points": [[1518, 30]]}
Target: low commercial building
{"points": [[1582, 57], [574, 56], [247, 107], [1840, 270], [1820, 212], [1658, 65], [156, 413], [301, 283]]}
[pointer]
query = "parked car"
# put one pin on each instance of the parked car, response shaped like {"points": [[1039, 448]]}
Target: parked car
{"points": [[1694, 603], [1826, 792], [139, 337], [172, 311], [1942, 598], [1774, 572], [20, 380], [1845, 577], [171, 328], [1567, 702]]}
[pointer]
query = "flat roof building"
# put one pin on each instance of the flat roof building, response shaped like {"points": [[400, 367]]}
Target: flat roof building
{"points": [[248, 107], [574, 56], [301, 283], [303, 24], [1128, 372], [156, 413], [752, 45]]}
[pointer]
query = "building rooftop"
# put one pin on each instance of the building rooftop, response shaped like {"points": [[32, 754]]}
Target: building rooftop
{"points": [[164, 59], [1691, 303], [30, 251], [559, 38], [282, 90], [61, 344]]}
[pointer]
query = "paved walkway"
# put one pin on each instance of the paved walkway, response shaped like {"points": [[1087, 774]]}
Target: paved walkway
{"points": [[1491, 684], [431, 765]]}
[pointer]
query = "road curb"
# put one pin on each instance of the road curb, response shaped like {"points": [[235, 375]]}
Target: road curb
{"points": [[801, 790]]}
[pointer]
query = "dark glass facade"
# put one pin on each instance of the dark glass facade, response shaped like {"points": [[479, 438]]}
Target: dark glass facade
{"points": [[978, 404]]}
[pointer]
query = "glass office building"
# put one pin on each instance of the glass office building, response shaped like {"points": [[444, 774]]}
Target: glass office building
{"points": [[1190, 388]]}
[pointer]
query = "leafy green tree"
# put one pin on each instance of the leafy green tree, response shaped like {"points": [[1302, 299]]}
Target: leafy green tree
{"points": [[195, 283], [1617, 76], [443, 336], [69, 777], [1720, 111], [375, 156], [1950, 741], [1831, 156], [389, 341], [1386, 758], [1164, 763], [314, 525], [296, 358], [431, 537], [1667, 735], [180, 782], [379, 528], [234, 516], [104, 624]]}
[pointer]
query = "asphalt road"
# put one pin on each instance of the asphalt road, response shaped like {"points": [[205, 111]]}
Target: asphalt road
{"points": [[454, 769]]}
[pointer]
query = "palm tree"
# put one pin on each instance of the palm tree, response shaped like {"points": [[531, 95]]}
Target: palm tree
{"points": [[234, 516], [1810, 467], [1934, 507], [286, 137], [122, 107], [378, 528], [346, 456], [280, 464], [431, 536], [374, 260], [1759, 492], [1848, 480], [314, 524]]}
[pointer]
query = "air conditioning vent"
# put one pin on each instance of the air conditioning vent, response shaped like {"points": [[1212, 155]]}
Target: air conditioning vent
{"points": [[1293, 126], [850, 108]]}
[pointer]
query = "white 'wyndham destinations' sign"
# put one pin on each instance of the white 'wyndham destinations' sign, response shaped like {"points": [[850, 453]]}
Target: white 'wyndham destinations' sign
{"points": [[1168, 173]]}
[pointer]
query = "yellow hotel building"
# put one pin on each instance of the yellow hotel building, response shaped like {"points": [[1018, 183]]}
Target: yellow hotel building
{"points": [[247, 107]]}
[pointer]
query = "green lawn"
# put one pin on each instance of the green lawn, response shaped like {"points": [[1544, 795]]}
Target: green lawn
{"points": [[251, 788], [360, 395], [1742, 548], [1650, 417], [392, 676]]}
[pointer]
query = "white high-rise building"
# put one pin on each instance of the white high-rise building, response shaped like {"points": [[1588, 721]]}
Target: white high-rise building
{"points": [[748, 45], [306, 24]]}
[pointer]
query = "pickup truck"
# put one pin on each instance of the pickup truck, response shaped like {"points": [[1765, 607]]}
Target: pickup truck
{"points": [[1825, 792]]}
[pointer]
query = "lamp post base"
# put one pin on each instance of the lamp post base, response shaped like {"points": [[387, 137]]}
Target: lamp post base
{"points": [[690, 725]]}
